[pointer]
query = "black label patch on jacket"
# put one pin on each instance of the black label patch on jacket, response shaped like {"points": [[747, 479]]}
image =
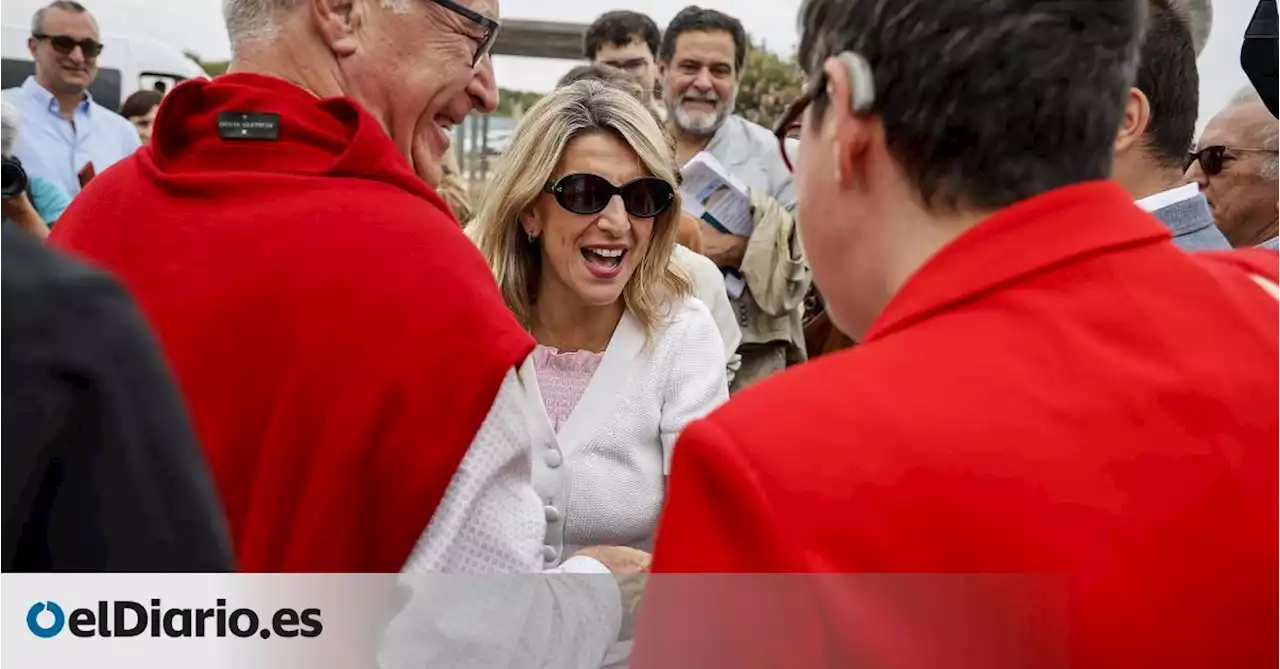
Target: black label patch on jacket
{"points": [[248, 125]]}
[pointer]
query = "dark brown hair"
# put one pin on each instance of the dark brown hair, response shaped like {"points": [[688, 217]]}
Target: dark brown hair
{"points": [[140, 103], [1167, 75], [986, 103], [620, 28], [694, 18]]}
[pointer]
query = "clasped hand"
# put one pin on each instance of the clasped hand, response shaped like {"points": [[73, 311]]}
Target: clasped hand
{"points": [[630, 568]]}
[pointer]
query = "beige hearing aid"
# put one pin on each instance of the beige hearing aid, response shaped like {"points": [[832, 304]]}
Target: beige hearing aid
{"points": [[861, 81]]}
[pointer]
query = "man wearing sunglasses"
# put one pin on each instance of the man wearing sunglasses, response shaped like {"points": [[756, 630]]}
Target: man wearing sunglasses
{"points": [[347, 357], [66, 137], [1055, 445], [1158, 125], [1236, 164]]}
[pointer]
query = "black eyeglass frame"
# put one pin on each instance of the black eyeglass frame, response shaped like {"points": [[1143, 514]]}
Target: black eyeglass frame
{"points": [[790, 122], [491, 27], [65, 44], [862, 98], [1210, 157], [664, 197]]}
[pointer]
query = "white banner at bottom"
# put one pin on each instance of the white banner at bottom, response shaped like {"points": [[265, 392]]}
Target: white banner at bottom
{"points": [[313, 621]]}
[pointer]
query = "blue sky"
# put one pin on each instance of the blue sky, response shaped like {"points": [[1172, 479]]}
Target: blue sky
{"points": [[197, 25]]}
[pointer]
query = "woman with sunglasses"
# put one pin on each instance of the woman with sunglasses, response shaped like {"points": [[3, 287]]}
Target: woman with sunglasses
{"points": [[578, 225]]}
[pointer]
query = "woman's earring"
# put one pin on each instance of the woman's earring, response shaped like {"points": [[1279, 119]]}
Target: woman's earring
{"points": [[532, 237]]}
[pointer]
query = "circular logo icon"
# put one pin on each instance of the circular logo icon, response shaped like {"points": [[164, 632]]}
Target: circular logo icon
{"points": [[45, 631]]}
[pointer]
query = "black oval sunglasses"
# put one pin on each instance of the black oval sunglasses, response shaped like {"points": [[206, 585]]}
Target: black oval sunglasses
{"points": [[645, 197], [1210, 157], [65, 45]]}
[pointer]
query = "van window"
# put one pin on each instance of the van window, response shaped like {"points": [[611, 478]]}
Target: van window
{"points": [[156, 81], [105, 88], [13, 72]]}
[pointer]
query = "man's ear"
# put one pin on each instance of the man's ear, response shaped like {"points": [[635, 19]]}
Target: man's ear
{"points": [[32, 43], [1137, 115], [336, 21]]}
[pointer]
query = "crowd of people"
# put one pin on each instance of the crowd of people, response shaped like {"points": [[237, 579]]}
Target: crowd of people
{"points": [[52, 126], [1059, 309]]}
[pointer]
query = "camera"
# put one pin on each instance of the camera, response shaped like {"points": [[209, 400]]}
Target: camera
{"points": [[15, 178]]}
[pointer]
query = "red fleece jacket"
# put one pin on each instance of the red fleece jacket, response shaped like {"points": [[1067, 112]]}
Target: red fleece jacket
{"points": [[338, 339]]}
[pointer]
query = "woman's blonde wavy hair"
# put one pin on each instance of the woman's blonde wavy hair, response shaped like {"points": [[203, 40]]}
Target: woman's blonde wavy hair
{"points": [[526, 169]]}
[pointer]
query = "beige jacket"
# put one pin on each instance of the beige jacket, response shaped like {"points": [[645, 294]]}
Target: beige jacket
{"points": [[774, 268], [777, 277]]}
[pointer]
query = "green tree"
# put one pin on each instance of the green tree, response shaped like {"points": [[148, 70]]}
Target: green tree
{"points": [[507, 100], [216, 67], [213, 67], [770, 84]]}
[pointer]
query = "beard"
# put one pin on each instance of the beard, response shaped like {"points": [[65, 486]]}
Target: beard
{"points": [[698, 124]]}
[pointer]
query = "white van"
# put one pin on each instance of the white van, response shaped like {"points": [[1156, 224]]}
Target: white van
{"points": [[126, 64]]}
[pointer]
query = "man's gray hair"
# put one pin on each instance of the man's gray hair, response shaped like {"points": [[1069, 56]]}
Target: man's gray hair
{"points": [[37, 19], [1270, 141], [1246, 95], [9, 119], [1198, 14], [255, 20], [1270, 137]]}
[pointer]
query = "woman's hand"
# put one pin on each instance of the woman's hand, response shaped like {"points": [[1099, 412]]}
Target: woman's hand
{"points": [[630, 568]]}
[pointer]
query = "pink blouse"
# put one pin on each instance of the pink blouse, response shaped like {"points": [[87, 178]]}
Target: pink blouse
{"points": [[562, 379]]}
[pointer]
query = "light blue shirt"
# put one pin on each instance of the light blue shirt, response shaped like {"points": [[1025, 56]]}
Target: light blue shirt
{"points": [[48, 199], [750, 152], [53, 148]]}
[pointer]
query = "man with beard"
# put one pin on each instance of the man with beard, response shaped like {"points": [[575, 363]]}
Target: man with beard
{"points": [[66, 137], [702, 56]]}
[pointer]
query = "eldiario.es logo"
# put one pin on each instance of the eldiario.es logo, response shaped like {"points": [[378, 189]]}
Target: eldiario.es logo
{"points": [[124, 618]]}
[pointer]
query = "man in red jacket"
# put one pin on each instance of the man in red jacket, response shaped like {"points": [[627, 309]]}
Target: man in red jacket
{"points": [[346, 355], [1057, 443]]}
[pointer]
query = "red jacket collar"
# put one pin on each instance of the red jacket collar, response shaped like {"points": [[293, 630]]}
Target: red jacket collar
{"points": [[1022, 239], [330, 137]]}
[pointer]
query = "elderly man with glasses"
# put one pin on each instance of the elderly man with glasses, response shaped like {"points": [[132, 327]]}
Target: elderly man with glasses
{"points": [[66, 137], [346, 354], [1237, 165]]}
